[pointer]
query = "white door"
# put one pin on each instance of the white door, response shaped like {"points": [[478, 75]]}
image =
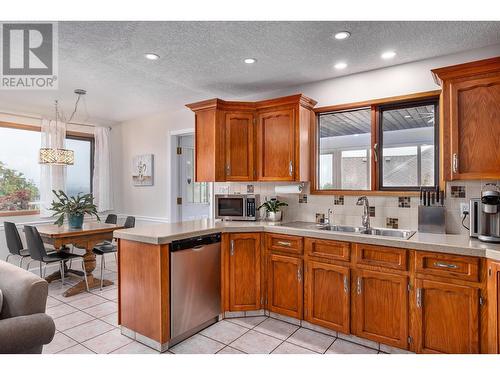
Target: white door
{"points": [[195, 196]]}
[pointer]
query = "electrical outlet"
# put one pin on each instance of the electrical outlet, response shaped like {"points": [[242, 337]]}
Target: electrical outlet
{"points": [[464, 207]]}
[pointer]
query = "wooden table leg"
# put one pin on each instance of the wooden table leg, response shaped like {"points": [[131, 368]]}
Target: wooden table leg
{"points": [[90, 263]]}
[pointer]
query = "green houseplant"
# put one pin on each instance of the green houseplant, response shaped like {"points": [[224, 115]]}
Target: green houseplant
{"points": [[273, 209], [74, 208]]}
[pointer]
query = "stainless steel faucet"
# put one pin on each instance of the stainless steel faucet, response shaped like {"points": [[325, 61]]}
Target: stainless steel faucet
{"points": [[329, 217], [365, 220]]}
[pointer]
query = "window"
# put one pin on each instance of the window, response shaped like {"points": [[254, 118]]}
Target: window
{"points": [[344, 149], [407, 141], [20, 171], [383, 145]]}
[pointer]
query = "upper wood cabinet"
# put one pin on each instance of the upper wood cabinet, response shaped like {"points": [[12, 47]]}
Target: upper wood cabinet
{"points": [[253, 141], [240, 132], [243, 266], [470, 111], [447, 318]]}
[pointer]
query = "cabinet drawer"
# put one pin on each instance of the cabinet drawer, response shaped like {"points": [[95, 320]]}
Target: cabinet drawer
{"points": [[381, 256], [329, 249], [285, 243], [456, 266]]}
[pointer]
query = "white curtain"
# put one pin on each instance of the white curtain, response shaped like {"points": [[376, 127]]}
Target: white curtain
{"points": [[53, 177], [102, 181]]}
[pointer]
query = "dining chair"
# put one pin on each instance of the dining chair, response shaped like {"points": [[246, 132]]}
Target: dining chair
{"points": [[39, 253], [109, 248], [14, 243]]}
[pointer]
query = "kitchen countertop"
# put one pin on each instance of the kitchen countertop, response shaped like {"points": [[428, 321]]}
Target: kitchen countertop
{"points": [[445, 243]]}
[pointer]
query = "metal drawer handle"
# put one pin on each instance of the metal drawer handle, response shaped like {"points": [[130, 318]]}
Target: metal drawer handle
{"points": [[290, 168], [283, 243], [419, 297], [299, 275], [346, 285], [445, 265], [232, 247], [455, 163], [359, 286]]}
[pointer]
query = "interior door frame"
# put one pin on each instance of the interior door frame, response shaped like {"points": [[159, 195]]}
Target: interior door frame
{"points": [[174, 174]]}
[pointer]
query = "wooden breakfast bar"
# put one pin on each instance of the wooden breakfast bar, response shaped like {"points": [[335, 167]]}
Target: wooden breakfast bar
{"points": [[85, 238]]}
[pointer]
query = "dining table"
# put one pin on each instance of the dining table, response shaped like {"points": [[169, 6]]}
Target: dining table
{"points": [[87, 237]]}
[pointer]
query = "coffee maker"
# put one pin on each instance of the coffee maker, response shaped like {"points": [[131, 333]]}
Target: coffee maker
{"points": [[485, 214]]}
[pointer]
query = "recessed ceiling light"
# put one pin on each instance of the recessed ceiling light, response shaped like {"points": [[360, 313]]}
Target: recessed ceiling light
{"points": [[340, 65], [151, 56], [341, 35], [388, 55], [250, 60]]}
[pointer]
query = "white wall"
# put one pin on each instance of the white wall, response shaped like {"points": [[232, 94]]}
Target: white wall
{"points": [[151, 134]]}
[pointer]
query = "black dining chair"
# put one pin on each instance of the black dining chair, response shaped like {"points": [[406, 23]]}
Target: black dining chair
{"points": [[111, 219], [39, 253], [14, 243], [110, 247]]}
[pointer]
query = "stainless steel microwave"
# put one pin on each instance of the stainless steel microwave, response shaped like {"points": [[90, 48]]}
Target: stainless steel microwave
{"points": [[237, 207]]}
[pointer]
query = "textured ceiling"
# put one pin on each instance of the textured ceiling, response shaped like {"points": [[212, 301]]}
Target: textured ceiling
{"points": [[200, 60]]}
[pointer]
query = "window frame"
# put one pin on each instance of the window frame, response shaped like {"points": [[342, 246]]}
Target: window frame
{"points": [[375, 106], [69, 135]]}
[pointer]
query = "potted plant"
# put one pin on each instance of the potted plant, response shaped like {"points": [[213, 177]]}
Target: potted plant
{"points": [[74, 208], [273, 209]]}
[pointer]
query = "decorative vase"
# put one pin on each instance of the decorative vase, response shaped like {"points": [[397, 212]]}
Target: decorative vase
{"points": [[274, 216], [75, 221]]}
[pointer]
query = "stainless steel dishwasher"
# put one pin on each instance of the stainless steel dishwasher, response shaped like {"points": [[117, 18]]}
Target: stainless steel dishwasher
{"points": [[195, 296]]}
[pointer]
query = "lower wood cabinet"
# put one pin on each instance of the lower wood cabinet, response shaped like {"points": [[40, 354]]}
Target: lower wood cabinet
{"points": [[327, 296], [285, 285], [244, 283], [380, 307], [446, 318], [494, 307]]}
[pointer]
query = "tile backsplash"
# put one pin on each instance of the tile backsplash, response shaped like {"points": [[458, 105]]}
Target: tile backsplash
{"points": [[385, 211]]}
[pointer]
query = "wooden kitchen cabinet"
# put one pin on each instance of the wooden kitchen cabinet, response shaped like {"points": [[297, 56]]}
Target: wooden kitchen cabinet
{"points": [[447, 318], [327, 296], [380, 307], [253, 141], [276, 145], [242, 279], [493, 307], [239, 147], [470, 111], [285, 285]]}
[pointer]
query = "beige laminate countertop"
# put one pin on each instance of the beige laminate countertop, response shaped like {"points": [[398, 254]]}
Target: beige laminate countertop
{"points": [[445, 243]]}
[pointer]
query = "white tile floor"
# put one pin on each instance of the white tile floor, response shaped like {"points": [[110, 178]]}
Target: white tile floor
{"points": [[88, 324]]}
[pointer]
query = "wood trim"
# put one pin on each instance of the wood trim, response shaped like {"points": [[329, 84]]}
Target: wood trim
{"points": [[19, 213], [466, 69], [366, 192], [376, 102]]}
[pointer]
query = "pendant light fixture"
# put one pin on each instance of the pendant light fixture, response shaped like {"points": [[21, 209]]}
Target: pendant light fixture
{"points": [[60, 156]]}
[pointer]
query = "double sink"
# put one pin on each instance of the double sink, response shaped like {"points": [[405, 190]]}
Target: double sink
{"points": [[397, 233]]}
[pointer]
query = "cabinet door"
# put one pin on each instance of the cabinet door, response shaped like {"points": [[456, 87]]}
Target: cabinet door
{"points": [[284, 283], [493, 303], [475, 128], [380, 307], [447, 318], [275, 145], [327, 296], [239, 130], [244, 271]]}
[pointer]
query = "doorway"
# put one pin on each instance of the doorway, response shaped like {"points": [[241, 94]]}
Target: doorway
{"points": [[193, 199]]}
